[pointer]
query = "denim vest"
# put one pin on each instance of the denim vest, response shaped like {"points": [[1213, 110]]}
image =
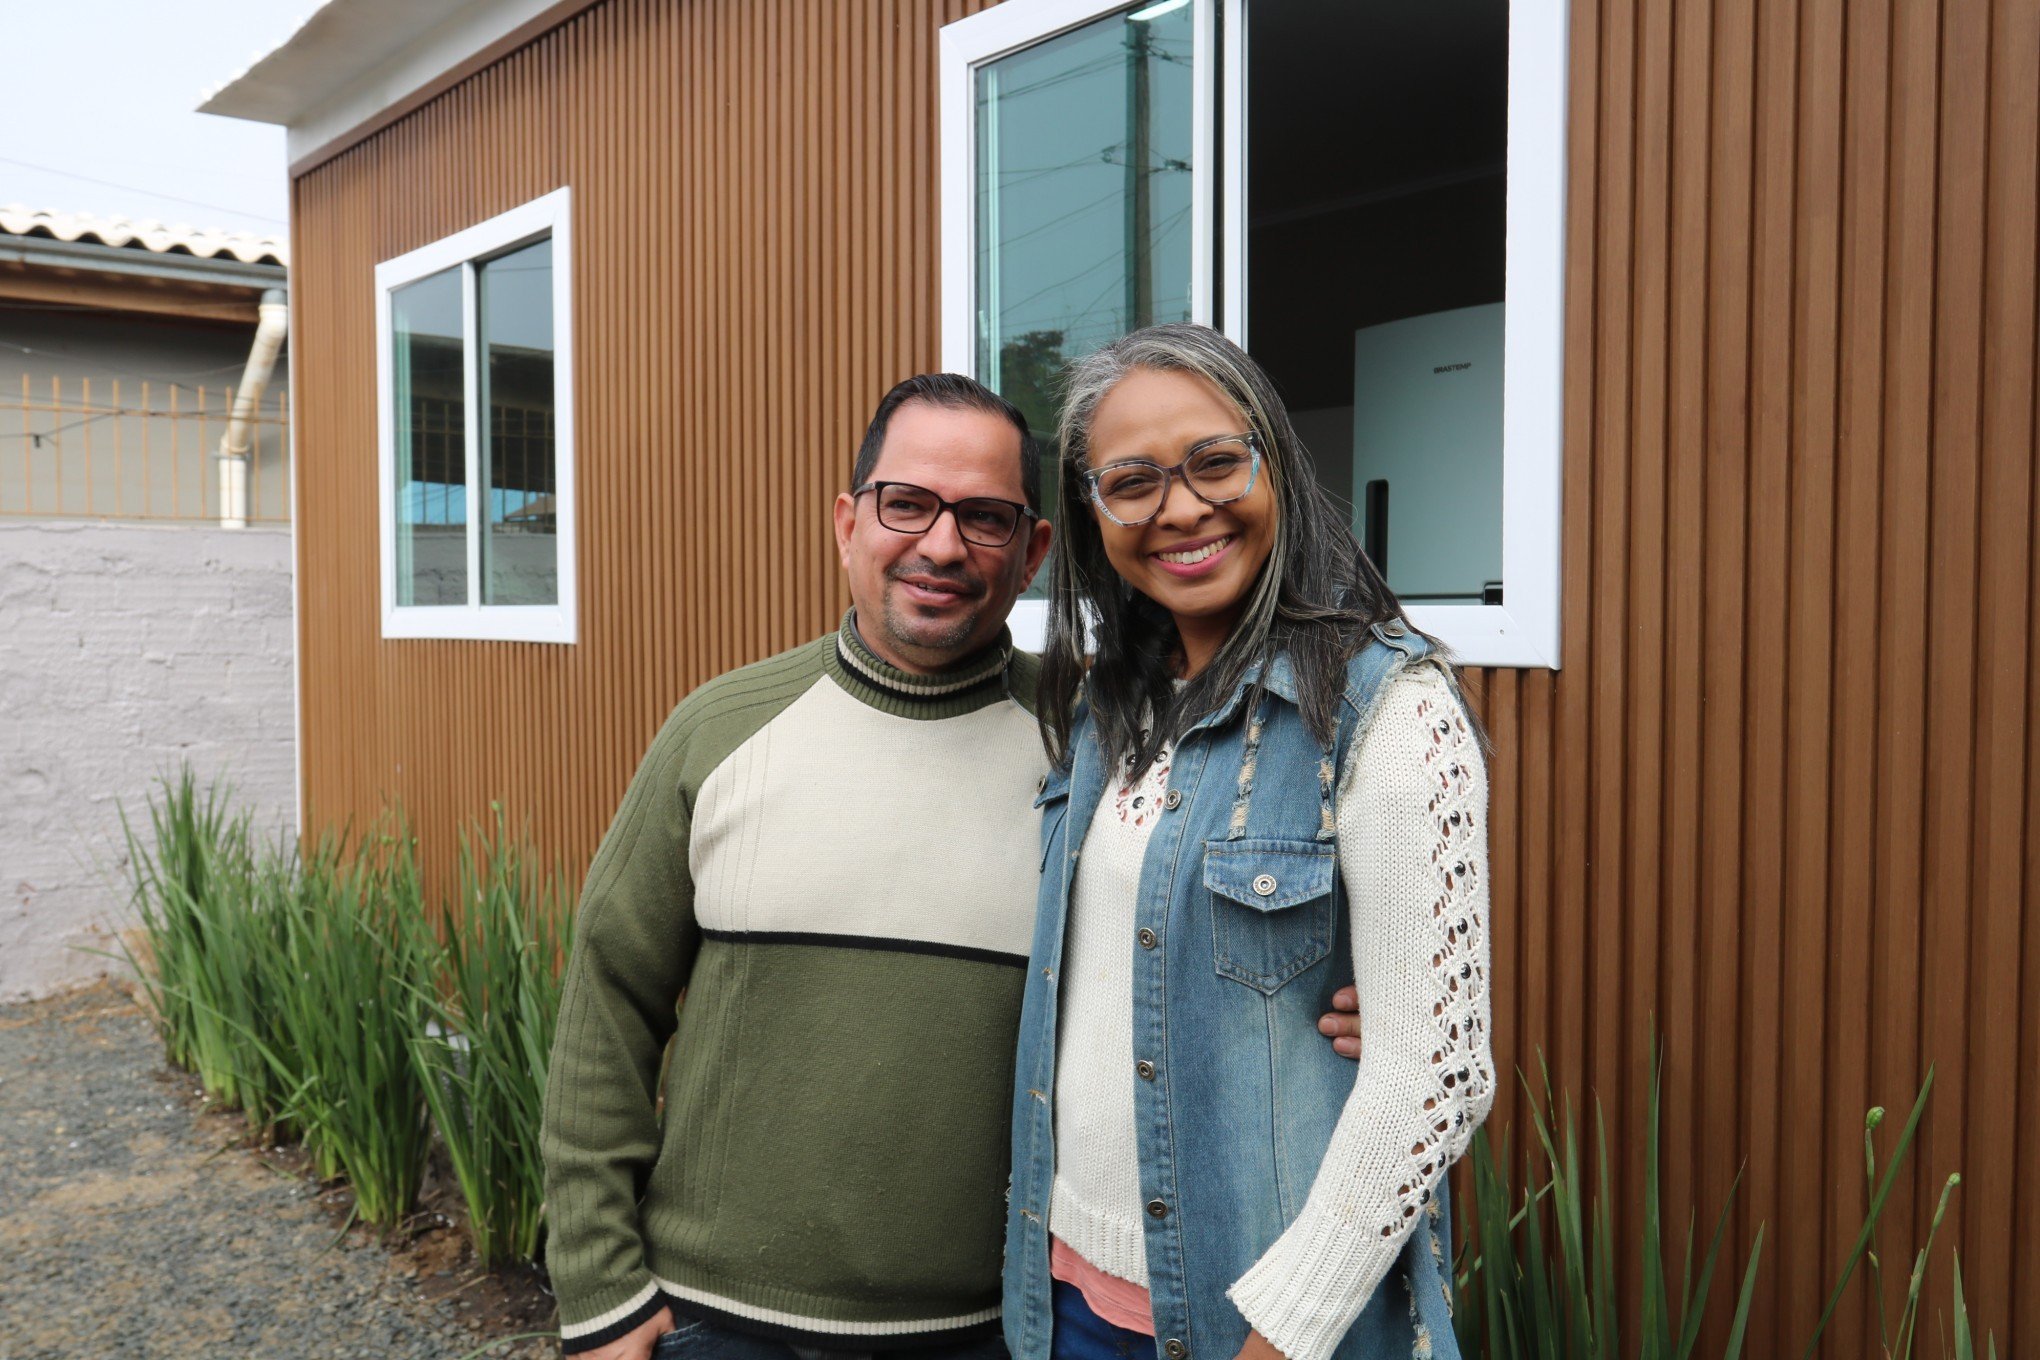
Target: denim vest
{"points": [[1242, 936]]}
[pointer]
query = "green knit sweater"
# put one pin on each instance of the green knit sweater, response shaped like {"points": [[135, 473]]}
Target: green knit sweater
{"points": [[836, 861]]}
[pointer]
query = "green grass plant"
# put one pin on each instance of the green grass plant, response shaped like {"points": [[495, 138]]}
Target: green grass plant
{"points": [[204, 897], [288, 985], [1539, 1282], [494, 1002], [347, 1009], [1895, 1340], [1544, 1286]]}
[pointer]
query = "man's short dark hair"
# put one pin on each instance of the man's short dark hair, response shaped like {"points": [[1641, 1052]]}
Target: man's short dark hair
{"points": [[957, 393]]}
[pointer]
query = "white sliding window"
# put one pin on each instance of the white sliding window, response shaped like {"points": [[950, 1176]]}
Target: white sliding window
{"points": [[476, 449], [1370, 198]]}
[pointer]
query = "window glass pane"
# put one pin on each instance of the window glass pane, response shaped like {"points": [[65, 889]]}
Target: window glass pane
{"points": [[1082, 200], [1377, 141], [520, 554], [431, 438]]}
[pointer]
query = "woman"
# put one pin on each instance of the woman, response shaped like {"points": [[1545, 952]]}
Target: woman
{"points": [[1264, 788]]}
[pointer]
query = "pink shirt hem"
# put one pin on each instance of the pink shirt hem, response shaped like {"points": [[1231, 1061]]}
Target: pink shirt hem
{"points": [[1120, 1302]]}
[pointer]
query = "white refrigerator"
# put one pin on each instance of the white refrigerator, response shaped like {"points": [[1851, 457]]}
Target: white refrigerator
{"points": [[1427, 453]]}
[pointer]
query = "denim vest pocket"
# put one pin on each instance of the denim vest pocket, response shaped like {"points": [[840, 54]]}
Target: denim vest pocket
{"points": [[1271, 908]]}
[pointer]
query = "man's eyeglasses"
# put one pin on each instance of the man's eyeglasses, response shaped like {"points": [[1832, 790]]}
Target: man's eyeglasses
{"points": [[908, 509], [1216, 470]]}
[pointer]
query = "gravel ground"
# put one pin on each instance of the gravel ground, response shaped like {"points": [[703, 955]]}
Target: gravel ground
{"points": [[134, 1223]]}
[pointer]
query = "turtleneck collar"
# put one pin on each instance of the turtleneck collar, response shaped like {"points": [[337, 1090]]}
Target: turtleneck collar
{"points": [[973, 682]]}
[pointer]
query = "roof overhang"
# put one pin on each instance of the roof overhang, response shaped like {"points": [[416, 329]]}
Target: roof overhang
{"points": [[83, 257], [353, 60]]}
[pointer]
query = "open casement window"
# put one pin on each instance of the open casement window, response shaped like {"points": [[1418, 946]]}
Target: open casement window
{"points": [[1369, 198], [476, 465]]}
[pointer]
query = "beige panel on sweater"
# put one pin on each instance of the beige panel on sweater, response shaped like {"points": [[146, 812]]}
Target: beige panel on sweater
{"points": [[856, 789]]}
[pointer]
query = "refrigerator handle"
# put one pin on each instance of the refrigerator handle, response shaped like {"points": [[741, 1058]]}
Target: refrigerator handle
{"points": [[1374, 535]]}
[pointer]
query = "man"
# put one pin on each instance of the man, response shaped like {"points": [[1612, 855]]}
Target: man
{"points": [[834, 853]]}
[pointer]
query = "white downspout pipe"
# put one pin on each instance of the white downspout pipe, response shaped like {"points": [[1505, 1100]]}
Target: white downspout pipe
{"points": [[274, 323]]}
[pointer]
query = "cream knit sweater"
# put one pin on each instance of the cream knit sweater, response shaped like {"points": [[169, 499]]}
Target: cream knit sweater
{"points": [[1412, 818]]}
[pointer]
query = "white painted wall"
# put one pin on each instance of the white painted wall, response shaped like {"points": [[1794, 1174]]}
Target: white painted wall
{"points": [[124, 648]]}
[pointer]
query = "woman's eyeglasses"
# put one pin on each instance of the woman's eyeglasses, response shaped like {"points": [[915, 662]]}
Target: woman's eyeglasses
{"points": [[1216, 470]]}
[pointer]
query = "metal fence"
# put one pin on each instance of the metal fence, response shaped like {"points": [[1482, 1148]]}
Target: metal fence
{"points": [[72, 448]]}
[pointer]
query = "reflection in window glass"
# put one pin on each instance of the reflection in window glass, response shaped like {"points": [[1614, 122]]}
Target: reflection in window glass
{"points": [[520, 552], [1083, 201], [431, 441]]}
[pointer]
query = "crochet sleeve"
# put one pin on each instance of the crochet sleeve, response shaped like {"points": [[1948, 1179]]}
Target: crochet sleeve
{"points": [[1412, 833]]}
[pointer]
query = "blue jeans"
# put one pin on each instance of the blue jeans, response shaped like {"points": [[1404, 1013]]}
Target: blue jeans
{"points": [[1081, 1334], [699, 1339]]}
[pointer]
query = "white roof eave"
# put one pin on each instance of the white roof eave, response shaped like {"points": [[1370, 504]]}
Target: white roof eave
{"points": [[352, 59]]}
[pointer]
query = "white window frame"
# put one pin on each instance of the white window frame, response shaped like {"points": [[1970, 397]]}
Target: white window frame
{"points": [[1524, 630], [548, 216]]}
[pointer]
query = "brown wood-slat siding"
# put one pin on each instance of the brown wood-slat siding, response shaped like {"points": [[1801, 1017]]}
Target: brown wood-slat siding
{"points": [[1781, 799]]}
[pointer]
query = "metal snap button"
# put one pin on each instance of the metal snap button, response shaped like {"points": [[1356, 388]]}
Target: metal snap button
{"points": [[1040, 785], [1175, 1349], [1148, 939], [1157, 1209], [1174, 800], [1264, 884], [1146, 1070]]}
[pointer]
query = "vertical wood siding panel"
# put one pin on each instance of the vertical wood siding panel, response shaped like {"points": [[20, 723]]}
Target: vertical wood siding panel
{"points": [[1997, 1159], [1685, 1029], [1599, 235], [812, 449], [1527, 815], [1809, 1145], [1647, 747], [1859, 682], [763, 546], [1725, 491], [1904, 649], [1781, 799], [1568, 858], [1511, 990], [1947, 904], [1766, 672], [715, 284], [703, 463]]}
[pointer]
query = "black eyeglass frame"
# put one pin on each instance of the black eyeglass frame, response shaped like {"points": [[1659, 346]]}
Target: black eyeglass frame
{"points": [[1026, 512], [1250, 438]]}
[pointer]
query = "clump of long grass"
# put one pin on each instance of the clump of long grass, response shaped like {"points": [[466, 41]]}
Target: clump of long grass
{"points": [[1542, 1284], [203, 894], [313, 992], [1895, 1342], [343, 983], [494, 998], [287, 984]]}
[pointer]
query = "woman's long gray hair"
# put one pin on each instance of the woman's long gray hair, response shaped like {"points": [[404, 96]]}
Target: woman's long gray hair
{"points": [[1315, 598]]}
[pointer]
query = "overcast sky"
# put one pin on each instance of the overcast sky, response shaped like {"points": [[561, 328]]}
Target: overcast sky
{"points": [[100, 110]]}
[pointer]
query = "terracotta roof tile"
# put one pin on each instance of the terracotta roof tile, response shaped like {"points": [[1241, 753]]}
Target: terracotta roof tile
{"points": [[205, 242]]}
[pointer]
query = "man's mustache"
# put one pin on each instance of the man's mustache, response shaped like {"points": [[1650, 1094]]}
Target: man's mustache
{"points": [[954, 575]]}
